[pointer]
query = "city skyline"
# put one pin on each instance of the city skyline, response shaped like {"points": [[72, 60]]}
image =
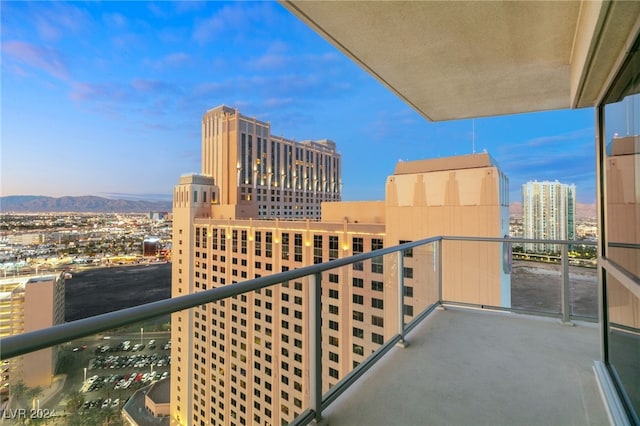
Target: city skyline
{"points": [[123, 85]]}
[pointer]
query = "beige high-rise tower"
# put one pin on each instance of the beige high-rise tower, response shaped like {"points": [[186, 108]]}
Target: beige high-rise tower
{"points": [[276, 176], [245, 361], [30, 303]]}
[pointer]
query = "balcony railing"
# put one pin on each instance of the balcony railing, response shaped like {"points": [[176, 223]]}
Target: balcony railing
{"points": [[438, 270]]}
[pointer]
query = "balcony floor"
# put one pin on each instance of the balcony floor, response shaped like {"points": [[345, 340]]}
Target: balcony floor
{"points": [[470, 367]]}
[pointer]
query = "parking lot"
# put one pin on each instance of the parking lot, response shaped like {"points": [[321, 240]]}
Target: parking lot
{"points": [[114, 369]]}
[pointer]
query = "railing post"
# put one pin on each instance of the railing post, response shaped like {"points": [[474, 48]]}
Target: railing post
{"points": [[566, 312], [315, 346], [402, 343], [438, 259]]}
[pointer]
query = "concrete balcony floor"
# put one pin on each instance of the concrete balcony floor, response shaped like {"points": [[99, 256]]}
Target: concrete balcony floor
{"points": [[471, 367]]}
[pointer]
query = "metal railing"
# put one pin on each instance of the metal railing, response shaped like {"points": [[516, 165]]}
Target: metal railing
{"points": [[28, 342]]}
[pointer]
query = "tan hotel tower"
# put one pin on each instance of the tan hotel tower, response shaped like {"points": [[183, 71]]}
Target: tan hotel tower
{"points": [[244, 361], [255, 169]]}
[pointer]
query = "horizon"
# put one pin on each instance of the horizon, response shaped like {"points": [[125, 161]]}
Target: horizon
{"points": [[127, 84]]}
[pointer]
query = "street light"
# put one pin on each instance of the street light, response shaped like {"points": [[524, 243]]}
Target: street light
{"points": [[141, 331], [85, 374]]}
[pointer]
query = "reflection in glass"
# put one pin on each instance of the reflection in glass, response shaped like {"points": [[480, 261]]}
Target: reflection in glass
{"points": [[622, 228]]}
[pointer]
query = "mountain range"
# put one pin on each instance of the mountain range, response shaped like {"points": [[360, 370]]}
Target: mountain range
{"points": [[88, 204], [93, 204]]}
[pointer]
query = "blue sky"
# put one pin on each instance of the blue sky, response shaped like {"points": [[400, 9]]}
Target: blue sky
{"points": [[106, 99]]}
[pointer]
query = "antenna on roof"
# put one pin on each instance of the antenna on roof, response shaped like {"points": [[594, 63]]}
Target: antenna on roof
{"points": [[473, 135]]}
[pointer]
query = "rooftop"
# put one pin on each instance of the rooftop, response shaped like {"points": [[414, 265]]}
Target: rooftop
{"points": [[458, 162]]}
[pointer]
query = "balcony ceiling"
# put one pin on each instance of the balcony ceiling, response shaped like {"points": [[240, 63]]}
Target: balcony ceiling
{"points": [[461, 59]]}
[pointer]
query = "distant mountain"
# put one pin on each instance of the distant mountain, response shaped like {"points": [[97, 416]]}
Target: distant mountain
{"points": [[586, 211], [88, 204], [515, 209], [583, 211]]}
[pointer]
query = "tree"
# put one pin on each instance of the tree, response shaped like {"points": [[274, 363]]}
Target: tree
{"points": [[18, 390], [75, 401], [33, 393]]}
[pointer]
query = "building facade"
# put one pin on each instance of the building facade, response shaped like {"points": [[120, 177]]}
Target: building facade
{"points": [[275, 176], [150, 247], [244, 360], [548, 213], [30, 303]]}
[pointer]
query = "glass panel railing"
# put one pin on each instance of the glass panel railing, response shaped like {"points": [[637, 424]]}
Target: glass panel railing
{"points": [[421, 285], [250, 356], [583, 285], [536, 282], [623, 340], [513, 276], [359, 314], [365, 313], [245, 359], [475, 273]]}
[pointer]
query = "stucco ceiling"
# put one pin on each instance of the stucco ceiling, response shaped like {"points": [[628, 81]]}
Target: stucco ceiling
{"points": [[460, 59]]}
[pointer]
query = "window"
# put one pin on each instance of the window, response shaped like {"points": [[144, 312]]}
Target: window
{"points": [[268, 244], [333, 309], [376, 262], [258, 243], [334, 341], [333, 294], [358, 316], [376, 285], [297, 247], [243, 242], [285, 246], [333, 356], [377, 321], [333, 325], [408, 272], [234, 241], [407, 252], [358, 299], [333, 278], [358, 349], [377, 338], [358, 247], [358, 332], [408, 310], [333, 247], [408, 291], [333, 373], [358, 282], [377, 303], [317, 249]]}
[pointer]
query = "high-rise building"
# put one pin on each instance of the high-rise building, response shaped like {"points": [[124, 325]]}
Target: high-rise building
{"points": [[150, 246], [548, 213], [243, 360], [264, 175], [30, 303]]}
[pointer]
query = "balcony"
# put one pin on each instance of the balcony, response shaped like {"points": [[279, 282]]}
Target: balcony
{"points": [[467, 366], [449, 345]]}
